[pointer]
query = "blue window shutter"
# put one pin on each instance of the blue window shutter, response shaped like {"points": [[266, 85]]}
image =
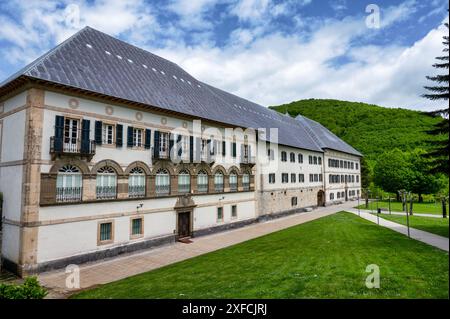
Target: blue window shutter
{"points": [[98, 132], [119, 135], [59, 132], [224, 147], [156, 145], [171, 143], [85, 142], [130, 136], [148, 134], [191, 149]]}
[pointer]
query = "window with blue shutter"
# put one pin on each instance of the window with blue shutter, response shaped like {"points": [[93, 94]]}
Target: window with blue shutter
{"points": [[191, 149], [156, 145], [224, 146]]}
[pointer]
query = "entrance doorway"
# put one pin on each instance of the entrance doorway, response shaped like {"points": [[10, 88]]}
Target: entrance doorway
{"points": [[184, 224], [321, 198]]}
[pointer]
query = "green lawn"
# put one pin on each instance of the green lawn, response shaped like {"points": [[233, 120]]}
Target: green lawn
{"points": [[438, 226], [424, 208], [325, 258]]}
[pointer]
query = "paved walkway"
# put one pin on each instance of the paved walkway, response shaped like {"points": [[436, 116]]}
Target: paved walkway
{"points": [[420, 235], [125, 266], [400, 213]]}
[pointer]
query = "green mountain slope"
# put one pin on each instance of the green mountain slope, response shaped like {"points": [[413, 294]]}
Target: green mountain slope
{"points": [[370, 129]]}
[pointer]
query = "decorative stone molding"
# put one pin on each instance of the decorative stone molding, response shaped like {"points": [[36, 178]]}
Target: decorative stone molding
{"points": [[139, 116], [122, 187], [109, 110], [108, 162], [73, 103], [163, 120], [72, 161], [138, 164]]}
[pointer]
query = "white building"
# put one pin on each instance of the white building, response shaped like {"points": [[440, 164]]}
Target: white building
{"points": [[106, 148]]}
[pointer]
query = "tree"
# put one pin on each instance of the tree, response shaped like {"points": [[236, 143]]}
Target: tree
{"points": [[422, 181], [392, 171], [440, 91]]}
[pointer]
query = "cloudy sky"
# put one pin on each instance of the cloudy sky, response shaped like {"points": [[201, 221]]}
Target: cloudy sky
{"points": [[268, 51]]}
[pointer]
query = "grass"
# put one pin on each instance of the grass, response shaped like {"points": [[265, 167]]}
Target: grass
{"points": [[422, 208], [324, 258], [438, 226]]}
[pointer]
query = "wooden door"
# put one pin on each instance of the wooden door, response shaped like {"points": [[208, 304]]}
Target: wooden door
{"points": [[184, 224]]}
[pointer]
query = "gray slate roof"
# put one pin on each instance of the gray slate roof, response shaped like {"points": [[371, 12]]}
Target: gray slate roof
{"points": [[324, 137], [94, 61]]}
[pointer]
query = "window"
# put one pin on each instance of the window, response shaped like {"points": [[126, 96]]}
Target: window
{"points": [[316, 177], [204, 154], [69, 184], [271, 178], [137, 227], [218, 182], [105, 233], [184, 182], [301, 178], [71, 134], [234, 211], [311, 178], [341, 164], [338, 195], [331, 196], [356, 165], [320, 178], [285, 178], [315, 160], [342, 194], [246, 181], [300, 158], [106, 183], [202, 182], [138, 134], [108, 134], [185, 147], [283, 156], [357, 178], [293, 178], [292, 157], [320, 160], [270, 154], [345, 164], [310, 159], [164, 151], [233, 182], [136, 183], [162, 182], [294, 201], [220, 214]]}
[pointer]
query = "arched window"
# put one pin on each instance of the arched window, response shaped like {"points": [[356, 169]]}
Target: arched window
{"points": [[162, 182], [69, 184], [218, 182], [246, 181], [233, 182], [292, 157], [320, 160], [283, 156], [106, 183], [184, 182], [136, 183], [202, 182], [300, 158]]}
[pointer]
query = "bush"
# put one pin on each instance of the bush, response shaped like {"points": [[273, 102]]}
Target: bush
{"points": [[30, 289]]}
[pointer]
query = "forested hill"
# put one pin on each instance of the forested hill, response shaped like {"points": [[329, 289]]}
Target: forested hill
{"points": [[370, 129]]}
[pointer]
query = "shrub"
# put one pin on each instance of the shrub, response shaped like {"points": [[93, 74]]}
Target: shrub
{"points": [[30, 289]]}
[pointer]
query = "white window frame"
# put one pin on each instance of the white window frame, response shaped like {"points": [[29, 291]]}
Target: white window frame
{"points": [[108, 134]]}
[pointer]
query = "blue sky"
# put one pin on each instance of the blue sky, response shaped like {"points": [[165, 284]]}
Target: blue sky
{"points": [[269, 51]]}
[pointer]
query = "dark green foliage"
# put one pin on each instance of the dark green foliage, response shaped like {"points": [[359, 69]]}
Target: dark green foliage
{"points": [[440, 151], [30, 289], [370, 129]]}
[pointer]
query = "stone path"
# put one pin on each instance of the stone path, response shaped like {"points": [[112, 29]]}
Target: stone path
{"points": [[117, 268], [401, 213], [420, 235]]}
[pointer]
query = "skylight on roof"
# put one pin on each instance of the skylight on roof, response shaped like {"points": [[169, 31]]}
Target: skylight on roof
{"points": [[181, 80], [145, 67], [108, 53], [189, 82], [89, 46], [174, 77], [199, 85], [119, 57], [154, 70], [162, 72], [131, 61]]}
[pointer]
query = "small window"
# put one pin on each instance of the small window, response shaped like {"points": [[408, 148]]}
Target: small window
{"points": [[315, 160], [220, 214], [292, 157], [301, 178], [283, 156], [310, 159], [294, 201], [234, 211], [136, 227], [320, 160], [138, 137], [293, 178], [357, 165], [320, 178], [357, 178], [331, 196], [270, 154], [271, 178], [108, 134], [285, 178], [105, 233], [300, 158], [311, 178]]}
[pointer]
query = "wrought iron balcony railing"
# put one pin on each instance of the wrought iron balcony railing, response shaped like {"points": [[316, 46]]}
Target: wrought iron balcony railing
{"points": [[68, 194]]}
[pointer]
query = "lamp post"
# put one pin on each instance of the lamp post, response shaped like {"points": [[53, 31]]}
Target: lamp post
{"points": [[371, 204], [404, 195]]}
